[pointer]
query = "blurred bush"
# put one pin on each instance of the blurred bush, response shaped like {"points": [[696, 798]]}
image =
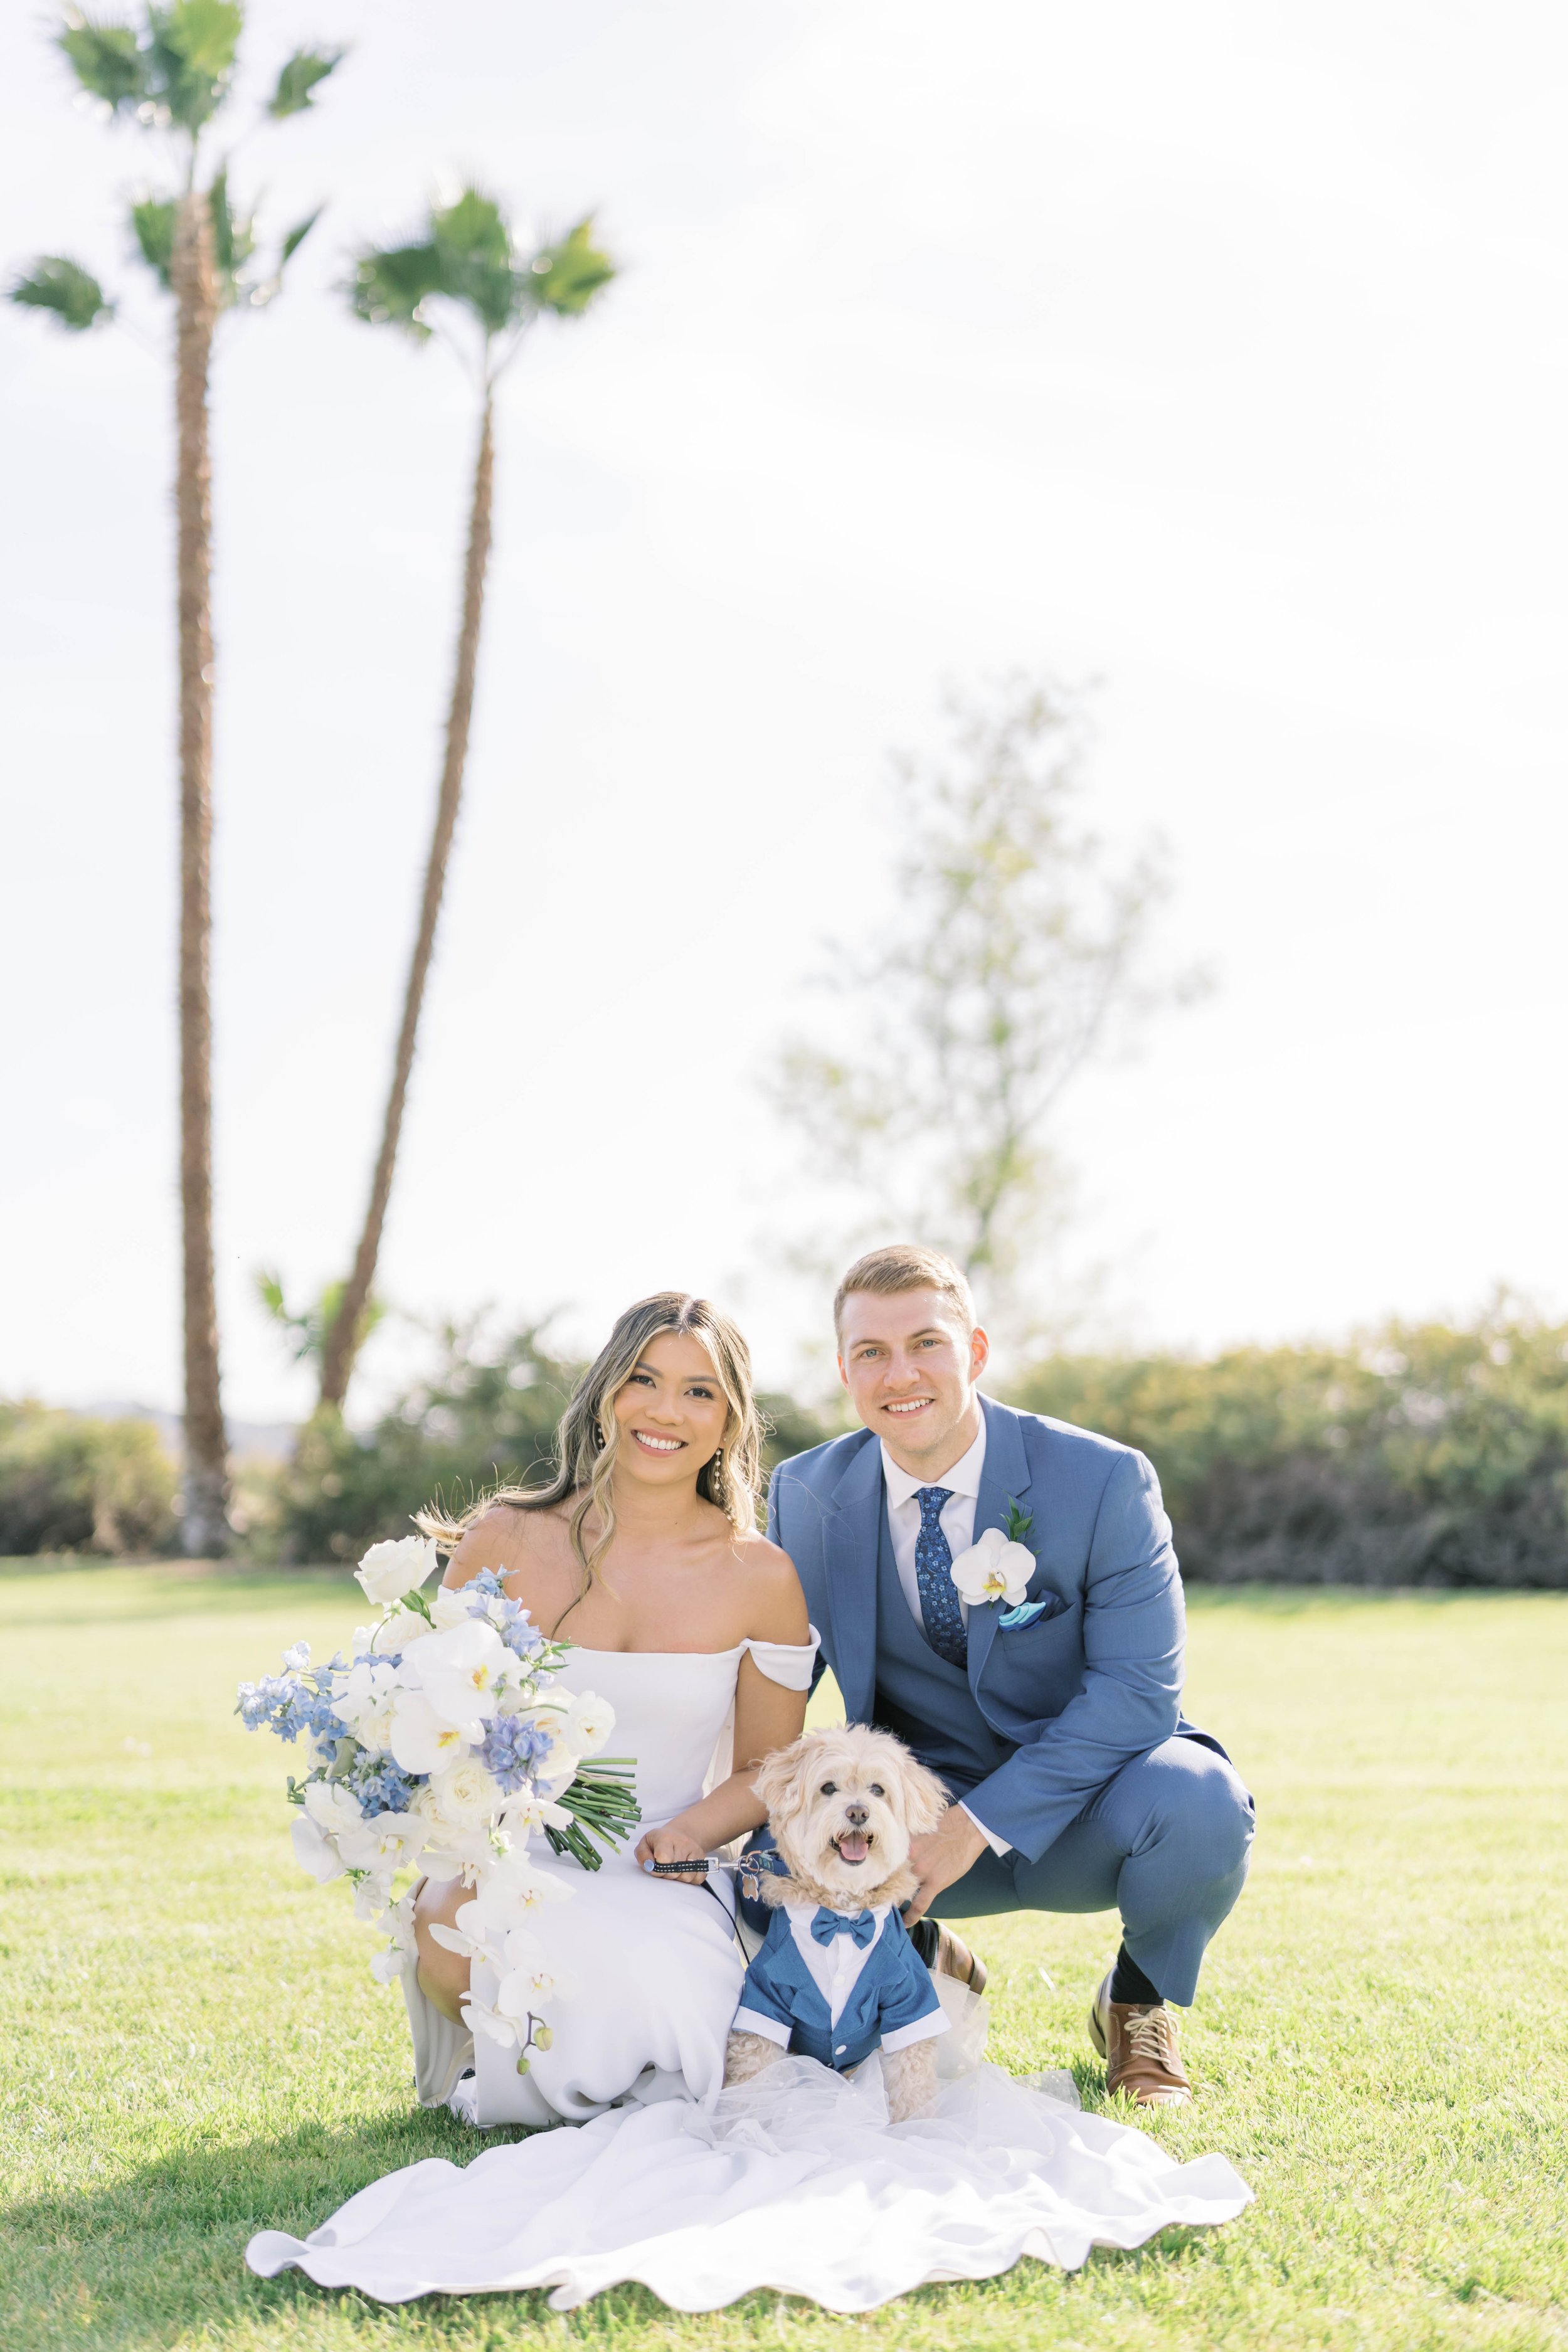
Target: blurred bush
{"points": [[485, 1418], [70, 1484], [1423, 1456]]}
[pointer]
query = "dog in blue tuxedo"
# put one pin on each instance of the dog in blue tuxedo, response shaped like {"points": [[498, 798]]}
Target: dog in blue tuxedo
{"points": [[838, 1976]]}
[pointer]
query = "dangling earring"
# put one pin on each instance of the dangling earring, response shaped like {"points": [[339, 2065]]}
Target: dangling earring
{"points": [[716, 1472]]}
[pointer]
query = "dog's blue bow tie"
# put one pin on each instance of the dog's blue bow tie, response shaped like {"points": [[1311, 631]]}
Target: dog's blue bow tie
{"points": [[828, 1924]]}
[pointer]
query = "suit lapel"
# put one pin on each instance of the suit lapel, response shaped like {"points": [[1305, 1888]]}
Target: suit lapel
{"points": [[791, 1976], [1003, 1478], [851, 1533]]}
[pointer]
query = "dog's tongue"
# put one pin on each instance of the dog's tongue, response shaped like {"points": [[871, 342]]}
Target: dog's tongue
{"points": [[853, 1847]]}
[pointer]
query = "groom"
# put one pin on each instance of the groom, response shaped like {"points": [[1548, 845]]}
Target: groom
{"points": [[1055, 1722]]}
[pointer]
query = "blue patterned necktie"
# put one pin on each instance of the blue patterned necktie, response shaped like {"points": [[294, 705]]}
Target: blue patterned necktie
{"points": [[828, 1924], [933, 1566]]}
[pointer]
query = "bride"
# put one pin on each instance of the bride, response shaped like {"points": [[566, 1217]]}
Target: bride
{"points": [[642, 1552]]}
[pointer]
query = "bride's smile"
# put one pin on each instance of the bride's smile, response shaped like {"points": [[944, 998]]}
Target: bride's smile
{"points": [[671, 1406]]}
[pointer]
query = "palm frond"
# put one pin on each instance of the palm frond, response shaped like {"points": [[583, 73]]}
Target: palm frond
{"points": [[153, 220], [234, 239], [565, 277], [470, 233], [69, 292], [108, 60], [474, 244], [469, 256], [390, 285], [299, 79], [297, 236], [191, 52], [307, 1327]]}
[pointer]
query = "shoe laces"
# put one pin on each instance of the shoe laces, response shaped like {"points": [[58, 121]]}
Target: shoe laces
{"points": [[1150, 2036]]}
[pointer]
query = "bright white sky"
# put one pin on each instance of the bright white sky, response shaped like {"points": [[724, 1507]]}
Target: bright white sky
{"points": [[1219, 353]]}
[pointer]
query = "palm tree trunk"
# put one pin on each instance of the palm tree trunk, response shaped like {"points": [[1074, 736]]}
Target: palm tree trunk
{"points": [[205, 1525], [343, 1339]]}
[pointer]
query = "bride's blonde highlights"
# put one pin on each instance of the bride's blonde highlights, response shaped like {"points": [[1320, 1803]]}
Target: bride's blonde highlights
{"points": [[587, 1437]]}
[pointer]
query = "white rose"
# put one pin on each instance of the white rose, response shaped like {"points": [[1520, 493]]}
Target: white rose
{"points": [[993, 1569], [389, 1571], [332, 1808], [451, 1607], [590, 1720], [396, 1632], [466, 1792], [361, 1699]]}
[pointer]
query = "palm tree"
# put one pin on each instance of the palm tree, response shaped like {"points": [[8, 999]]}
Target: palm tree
{"points": [[466, 277], [171, 75]]}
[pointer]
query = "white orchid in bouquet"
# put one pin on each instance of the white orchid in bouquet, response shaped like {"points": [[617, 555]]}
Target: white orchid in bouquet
{"points": [[444, 1744]]}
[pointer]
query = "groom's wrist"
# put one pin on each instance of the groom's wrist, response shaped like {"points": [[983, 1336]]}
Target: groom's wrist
{"points": [[998, 1845]]}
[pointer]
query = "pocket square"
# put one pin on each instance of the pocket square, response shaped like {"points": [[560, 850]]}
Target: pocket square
{"points": [[1024, 1615]]}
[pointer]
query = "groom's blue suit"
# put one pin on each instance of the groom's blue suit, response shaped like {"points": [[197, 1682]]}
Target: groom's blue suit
{"points": [[1065, 1737]]}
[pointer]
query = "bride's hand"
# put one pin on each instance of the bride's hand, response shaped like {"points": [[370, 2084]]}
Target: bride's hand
{"points": [[673, 1845]]}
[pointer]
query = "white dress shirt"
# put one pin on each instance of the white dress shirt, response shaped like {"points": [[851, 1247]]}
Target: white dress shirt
{"points": [[963, 1483], [835, 1967]]}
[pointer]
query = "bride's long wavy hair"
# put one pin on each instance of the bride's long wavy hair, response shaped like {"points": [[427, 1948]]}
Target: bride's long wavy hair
{"points": [[588, 1435]]}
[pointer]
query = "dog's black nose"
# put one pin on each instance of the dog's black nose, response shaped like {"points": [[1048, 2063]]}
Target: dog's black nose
{"points": [[857, 1816]]}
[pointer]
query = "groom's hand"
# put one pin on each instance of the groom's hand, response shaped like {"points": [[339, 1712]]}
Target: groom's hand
{"points": [[941, 1858], [672, 1844]]}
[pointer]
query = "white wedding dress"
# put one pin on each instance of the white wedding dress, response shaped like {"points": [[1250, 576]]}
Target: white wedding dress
{"points": [[795, 2181]]}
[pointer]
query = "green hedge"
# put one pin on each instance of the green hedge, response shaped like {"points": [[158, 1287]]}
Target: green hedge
{"points": [[1423, 1456], [70, 1484]]}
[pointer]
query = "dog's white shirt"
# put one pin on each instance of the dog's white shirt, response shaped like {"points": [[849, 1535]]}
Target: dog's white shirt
{"points": [[835, 1967]]}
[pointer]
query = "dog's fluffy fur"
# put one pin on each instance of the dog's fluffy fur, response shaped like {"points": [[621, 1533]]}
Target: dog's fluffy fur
{"points": [[846, 1850]]}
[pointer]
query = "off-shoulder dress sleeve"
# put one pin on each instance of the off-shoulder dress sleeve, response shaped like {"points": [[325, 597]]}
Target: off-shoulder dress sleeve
{"points": [[788, 1663]]}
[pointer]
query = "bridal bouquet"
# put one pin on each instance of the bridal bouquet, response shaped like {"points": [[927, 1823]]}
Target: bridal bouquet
{"points": [[443, 1745]]}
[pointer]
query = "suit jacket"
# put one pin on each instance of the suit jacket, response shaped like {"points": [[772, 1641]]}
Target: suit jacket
{"points": [[894, 1999], [1091, 1681]]}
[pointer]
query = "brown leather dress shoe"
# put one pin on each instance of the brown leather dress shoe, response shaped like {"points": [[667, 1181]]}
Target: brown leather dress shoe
{"points": [[954, 1958], [1138, 2041]]}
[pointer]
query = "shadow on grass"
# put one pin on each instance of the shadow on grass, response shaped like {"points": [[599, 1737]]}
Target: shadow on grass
{"points": [[158, 2255]]}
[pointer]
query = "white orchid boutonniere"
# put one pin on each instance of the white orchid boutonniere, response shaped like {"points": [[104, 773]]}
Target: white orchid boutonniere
{"points": [[998, 1566]]}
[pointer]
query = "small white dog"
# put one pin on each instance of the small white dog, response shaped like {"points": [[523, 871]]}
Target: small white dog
{"points": [[838, 1976]]}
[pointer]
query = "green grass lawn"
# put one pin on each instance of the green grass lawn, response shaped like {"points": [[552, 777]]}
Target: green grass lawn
{"points": [[193, 2047]]}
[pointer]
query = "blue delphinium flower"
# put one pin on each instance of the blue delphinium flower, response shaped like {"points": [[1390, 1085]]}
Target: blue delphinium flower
{"points": [[509, 1618], [290, 1703], [511, 1748], [381, 1786]]}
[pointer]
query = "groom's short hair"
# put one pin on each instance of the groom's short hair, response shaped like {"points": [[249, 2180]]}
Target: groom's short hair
{"points": [[905, 1266]]}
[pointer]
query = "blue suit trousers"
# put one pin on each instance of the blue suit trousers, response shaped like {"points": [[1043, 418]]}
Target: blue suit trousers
{"points": [[1165, 1843]]}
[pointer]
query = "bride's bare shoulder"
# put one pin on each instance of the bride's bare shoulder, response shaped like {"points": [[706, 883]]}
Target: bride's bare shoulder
{"points": [[506, 1538], [775, 1605]]}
